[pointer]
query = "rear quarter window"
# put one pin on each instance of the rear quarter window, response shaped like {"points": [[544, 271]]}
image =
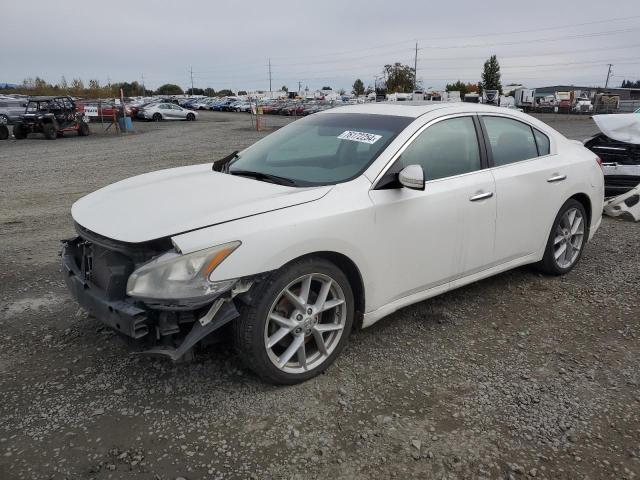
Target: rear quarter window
{"points": [[542, 141]]}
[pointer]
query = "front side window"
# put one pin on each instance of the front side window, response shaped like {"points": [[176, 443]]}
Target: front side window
{"points": [[445, 149], [321, 149], [511, 141]]}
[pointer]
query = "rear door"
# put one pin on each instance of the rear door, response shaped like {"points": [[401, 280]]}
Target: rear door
{"points": [[529, 185]]}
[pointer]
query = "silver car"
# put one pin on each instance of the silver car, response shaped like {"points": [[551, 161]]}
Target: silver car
{"points": [[168, 111], [11, 109]]}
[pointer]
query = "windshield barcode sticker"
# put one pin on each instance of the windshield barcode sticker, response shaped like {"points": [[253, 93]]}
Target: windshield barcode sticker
{"points": [[359, 137]]}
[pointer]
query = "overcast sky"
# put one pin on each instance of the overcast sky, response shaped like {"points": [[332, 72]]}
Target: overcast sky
{"points": [[228, 43]]}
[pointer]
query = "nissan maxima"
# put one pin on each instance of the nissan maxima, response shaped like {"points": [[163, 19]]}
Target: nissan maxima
{"points": [[330, 224]]}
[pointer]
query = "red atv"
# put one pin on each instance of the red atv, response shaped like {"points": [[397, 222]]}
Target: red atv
{"points": [[51, 116]]}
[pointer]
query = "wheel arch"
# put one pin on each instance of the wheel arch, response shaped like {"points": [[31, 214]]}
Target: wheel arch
{"points": [[351, 270], [584, 199]]}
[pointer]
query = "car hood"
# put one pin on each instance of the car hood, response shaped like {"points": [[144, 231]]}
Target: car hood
{"points": [[178, 200], [620, 127]]}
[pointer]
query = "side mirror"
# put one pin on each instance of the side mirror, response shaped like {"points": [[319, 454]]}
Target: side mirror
{"points": [[412, 176]]}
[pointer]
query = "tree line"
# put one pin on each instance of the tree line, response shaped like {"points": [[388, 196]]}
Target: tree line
{"points": [[93, 89]]}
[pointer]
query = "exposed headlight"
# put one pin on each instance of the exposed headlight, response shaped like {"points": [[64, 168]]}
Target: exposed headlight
{"points": [[176, 276]]}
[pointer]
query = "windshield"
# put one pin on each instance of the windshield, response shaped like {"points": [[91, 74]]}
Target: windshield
{"points": [[322, 149]]}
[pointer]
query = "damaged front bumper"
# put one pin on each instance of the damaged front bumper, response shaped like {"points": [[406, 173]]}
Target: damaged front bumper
{"points": [[96, 277], [625, 205]]}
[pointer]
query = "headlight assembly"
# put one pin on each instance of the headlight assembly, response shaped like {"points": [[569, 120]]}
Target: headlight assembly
{"points": [[175, 276]]}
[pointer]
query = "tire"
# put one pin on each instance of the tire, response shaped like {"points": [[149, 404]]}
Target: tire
{"points": [[4, 132], [50, 132], [83, 129], [190, 117], [567, 235], [19, 132], [256, 327], [4, 120], [157, 117]]}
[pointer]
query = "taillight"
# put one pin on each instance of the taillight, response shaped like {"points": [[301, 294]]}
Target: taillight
{"points": [[599, 160]]}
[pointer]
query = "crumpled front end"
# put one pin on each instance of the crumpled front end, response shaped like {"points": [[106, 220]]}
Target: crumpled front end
{"points": [[96, 271]]}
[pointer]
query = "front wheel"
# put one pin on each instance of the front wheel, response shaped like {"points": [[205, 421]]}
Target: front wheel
{"points": [[190, 117], [156, 117], [4, 132], [567, 239], [299, 322]]}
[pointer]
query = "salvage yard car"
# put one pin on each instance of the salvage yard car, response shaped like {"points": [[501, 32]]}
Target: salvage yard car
{"points": [[166, 111], [330, 223]]}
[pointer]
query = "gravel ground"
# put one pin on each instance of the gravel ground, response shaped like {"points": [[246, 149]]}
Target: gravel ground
{"points": [[517, 376]]}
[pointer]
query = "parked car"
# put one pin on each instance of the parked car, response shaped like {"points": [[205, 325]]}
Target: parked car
{"points": [[167, 111], [11, 110], [336, 220], [51, 116]]}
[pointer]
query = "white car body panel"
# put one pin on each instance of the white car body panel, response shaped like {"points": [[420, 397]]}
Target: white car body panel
{"points": [[167, 202], [408, 245]]}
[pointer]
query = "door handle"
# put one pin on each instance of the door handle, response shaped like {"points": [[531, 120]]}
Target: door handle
{"points": [[556, 178], [481, 196]]}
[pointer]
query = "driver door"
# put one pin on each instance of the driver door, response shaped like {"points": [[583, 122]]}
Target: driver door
{"points": [[430, 238]]}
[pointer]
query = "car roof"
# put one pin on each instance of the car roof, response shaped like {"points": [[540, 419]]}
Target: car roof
{"points": [[414, 109], [44, 98]]}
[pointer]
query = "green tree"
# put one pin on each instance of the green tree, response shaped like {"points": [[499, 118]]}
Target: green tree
{"points": [[209, 92], [194, 91], [399, 78], [491, 74], [169, 89], [284, 88], [327, 88], [358, 87], [242, 92], [224, 93]]}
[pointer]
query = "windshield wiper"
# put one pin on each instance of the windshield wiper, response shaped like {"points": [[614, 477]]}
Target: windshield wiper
{"points": [[264, 176], [222, 165]]}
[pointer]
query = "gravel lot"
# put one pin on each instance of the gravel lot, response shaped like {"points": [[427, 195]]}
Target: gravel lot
{"points": [[517, 376]]}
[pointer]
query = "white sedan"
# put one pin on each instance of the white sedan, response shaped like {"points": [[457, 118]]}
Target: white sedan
{"points": [[167, 111], [332, 222]]}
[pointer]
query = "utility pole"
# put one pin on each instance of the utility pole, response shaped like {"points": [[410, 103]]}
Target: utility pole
{"points": [[270, 89], [144, 90], [299, 86], [191, 72], [606, 84], [415, 69]]}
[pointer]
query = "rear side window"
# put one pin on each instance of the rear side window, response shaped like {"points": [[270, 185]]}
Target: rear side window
{"points": [[543, 142], [511, 141], [445, 149]]}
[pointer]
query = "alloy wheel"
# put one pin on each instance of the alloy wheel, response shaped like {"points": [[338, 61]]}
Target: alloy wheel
{"points": [[569, 238], [305, 323]]}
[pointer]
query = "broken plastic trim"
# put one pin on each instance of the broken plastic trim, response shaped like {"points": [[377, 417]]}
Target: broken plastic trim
{"points": [[627, 204], [223, 313]]}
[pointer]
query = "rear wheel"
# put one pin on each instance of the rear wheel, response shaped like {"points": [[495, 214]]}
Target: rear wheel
{"points": [[156, 117], [50, 132], [190, 117], [567, 239], [4, 132], [19, 132], [299, 322], [83, 129]]}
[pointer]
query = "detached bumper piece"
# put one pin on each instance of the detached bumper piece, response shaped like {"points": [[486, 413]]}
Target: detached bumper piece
{"points": [[96, 276], [625, 205]]}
